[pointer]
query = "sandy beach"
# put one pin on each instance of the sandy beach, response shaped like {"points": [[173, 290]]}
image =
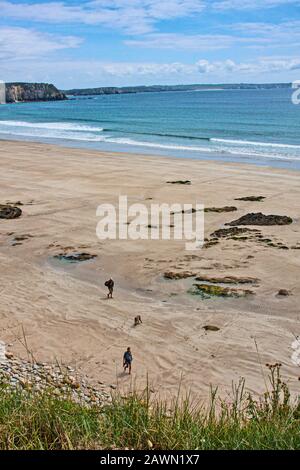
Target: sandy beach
{"points": [[62, 307]]}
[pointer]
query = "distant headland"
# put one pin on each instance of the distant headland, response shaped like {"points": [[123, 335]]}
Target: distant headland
{"points": [[27, 92], [165, 88]]}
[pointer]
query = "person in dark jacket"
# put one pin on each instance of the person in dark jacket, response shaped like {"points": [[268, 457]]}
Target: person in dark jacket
{"points": [[127, 360], [110, 285]]}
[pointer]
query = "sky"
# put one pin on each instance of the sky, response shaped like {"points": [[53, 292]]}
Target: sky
{"points": [[142, 42]]}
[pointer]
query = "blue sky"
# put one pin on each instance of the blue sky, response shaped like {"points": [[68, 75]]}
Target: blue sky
{"points": [[132, 42]]}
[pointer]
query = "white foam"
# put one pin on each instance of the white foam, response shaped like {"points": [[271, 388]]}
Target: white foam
{"points": [[139, 143], [257, 144], [86, 133], [64, 126], [223, 150], [84, 137]]}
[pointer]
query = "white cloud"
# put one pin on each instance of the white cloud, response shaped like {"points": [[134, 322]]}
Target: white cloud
{"points": [[203, 66], [198, 42], [260, 66], [131, 16], [21, 43], [251, 4], [139, 18], [250, 35], [285, 33], [140, 69], [68, 74]]}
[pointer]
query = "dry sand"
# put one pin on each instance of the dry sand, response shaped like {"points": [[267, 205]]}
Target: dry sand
{"points": [[63, 310]]}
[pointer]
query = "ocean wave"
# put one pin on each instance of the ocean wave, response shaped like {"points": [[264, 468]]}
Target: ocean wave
{"points": [[84, 137], [257, 144], [160, 134], [242, 152], [82, 128], [88, 133], [140, 143], [64, 126]]}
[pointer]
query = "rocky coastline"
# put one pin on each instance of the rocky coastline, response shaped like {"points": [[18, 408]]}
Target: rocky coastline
{"points": [[60, 380], [27, 92]]}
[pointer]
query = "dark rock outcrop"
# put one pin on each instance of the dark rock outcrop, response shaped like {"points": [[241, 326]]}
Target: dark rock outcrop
{"points": [[219, 210], [179, 275], [251, 198], [210, 243], [283, 293], [17, 203], [21, 238], [9, 212], [179, 182], [75, 257], [22, 92], [206, 291], [231, 232], [211, 328], [261, 219], [227, 280]]}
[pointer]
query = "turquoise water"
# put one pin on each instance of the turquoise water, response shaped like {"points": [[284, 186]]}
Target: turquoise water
{"points": [[256, 126]]}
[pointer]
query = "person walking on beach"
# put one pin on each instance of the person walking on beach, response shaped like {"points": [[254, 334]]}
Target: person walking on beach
{"points": [[127, 360], [110, 285]]}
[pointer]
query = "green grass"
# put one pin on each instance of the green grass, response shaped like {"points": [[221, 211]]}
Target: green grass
{"points": [[31, 420]]}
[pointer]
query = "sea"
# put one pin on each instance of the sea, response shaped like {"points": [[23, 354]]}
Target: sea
{"points": [[259, 126]]}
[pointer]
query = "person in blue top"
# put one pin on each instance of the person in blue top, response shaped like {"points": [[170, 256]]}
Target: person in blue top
{"points": [[127, 360]]}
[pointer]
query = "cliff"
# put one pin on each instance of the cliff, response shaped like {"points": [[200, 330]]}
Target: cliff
{"points": [[20, 92]]}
